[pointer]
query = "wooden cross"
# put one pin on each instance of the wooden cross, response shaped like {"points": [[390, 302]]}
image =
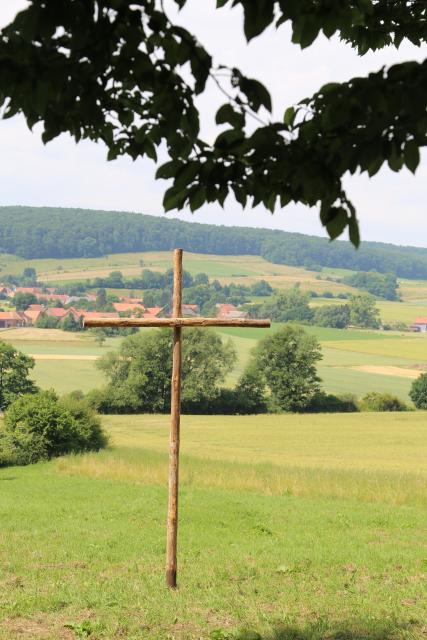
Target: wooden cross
{"points": [[177, 322]]}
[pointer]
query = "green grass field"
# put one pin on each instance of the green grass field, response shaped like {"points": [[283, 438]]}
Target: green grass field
{"points": [[291, 528]]}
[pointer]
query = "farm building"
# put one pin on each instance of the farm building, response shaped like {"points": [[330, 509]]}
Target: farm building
{"points": [[229, 311], [10, 319], [190, 310], [128, 307], [420, 324]]}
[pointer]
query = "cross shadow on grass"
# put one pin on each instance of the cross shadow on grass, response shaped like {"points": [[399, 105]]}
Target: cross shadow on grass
{"points": [[325, 630]]}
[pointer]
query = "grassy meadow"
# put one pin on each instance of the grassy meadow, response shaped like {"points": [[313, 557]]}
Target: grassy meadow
{"points": [[291, 528]]}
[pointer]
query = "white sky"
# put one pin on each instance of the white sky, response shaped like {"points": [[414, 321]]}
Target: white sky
{"points": [[391, 206]]}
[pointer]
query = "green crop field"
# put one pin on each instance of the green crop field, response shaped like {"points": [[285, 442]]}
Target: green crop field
{"points": [[291, 528], [63, 361]]}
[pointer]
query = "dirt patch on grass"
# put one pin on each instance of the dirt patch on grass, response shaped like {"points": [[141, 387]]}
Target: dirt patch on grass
{"points": [[39, 627], [388, 370]]}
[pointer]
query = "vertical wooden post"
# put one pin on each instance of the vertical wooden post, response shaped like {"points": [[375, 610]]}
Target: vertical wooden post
{"points": [[172, 520]]}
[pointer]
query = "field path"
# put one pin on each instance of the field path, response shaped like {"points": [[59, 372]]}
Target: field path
{"points": [[388, 370]]}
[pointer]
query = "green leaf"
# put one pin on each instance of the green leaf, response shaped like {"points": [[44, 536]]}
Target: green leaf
{"points": [[197, 197], [411, 155], [186, 174], [229, 139], [309, 32], [226, 113], [258, 15], [168, 170], [174, 198], [240, 194], [354, 232], [337, 222], [395, 161], [289, 116], [256, 93]]}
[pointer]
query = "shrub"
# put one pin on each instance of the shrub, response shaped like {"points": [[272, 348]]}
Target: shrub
{"points": [[14, 375], [328, 403], [375, 401], [40, 426], [418, 392]]}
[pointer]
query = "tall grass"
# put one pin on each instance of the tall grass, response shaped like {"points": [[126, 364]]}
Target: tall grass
{"points": [[150, 468]]}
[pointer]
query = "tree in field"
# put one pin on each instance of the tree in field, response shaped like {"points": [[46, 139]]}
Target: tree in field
{"points": [[121, 72], [30, 275], [332, 315], [363, 312], [22, 300], [99, 337], [140, 371], [101, 299], [287, 361], [290, 305], [15, 369], [418, 392]]}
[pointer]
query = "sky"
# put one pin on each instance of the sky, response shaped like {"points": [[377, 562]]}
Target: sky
{"points": [[391, 207]]}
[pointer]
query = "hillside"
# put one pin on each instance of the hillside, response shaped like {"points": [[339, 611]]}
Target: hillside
{"points": [[32, 232]]}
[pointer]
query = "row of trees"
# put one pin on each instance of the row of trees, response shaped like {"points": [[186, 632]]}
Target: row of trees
{"points": [[68, 233], [281, 376], [381, 285], [293, 305]]}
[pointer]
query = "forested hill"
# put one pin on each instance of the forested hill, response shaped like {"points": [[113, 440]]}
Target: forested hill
{"points": [[33, 232]]}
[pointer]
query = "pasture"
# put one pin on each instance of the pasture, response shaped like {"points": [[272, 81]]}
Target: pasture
{"points": [[292, 528]]}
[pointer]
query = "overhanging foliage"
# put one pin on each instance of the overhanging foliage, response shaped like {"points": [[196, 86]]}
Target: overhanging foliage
{"points": [[120, 71]]}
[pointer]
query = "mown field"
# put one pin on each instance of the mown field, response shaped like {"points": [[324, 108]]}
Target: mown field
{"points": [[291, 528], [353, 361]]}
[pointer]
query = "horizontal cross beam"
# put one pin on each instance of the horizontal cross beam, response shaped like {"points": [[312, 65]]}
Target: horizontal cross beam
{"points": [[176, 322]]}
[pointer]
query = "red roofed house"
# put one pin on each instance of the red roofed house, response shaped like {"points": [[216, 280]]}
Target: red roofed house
{"points": [[122, 307], [152, 312], [33, 313], [12, 319], [190, 310], [229, 312], [420, 324], [94, 315], [34, 290], [56, 312]]}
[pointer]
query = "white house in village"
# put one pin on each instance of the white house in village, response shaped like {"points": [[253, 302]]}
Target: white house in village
{"points": [[420, 324]]}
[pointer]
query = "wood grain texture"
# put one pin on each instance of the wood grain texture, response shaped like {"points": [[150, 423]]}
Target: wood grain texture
{"points": [[177, 322], [174, 439]]}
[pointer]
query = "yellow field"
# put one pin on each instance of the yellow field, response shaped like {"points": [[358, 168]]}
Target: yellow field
{"points": [[386, 442], [368, 456]]}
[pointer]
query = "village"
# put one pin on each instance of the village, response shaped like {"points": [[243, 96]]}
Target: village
{"points": [[61, 310]]}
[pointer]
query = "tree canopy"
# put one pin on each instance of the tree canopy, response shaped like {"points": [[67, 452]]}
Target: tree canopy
{"points": [[15, 368], [121, 72], [140, 372]]}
